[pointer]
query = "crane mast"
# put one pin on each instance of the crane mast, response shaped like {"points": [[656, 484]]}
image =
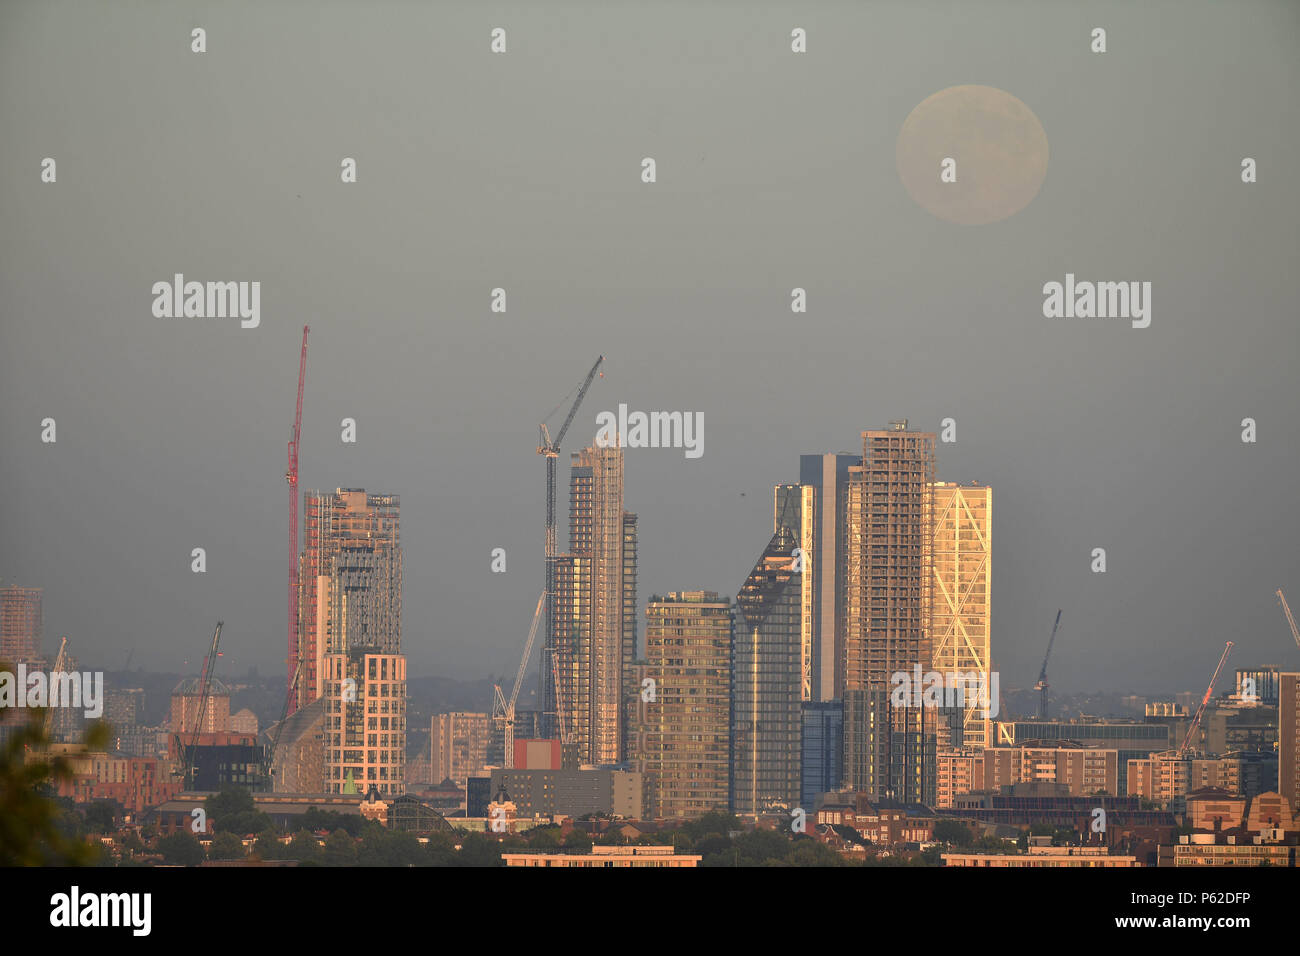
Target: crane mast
{"points": [[1200, 711], [503, 710], [60, 666], [291, 476], [1042, 685], [205, 681]]}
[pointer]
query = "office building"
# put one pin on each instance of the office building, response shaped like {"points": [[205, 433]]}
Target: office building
{"points": [[1083, 771], [961, 596]]}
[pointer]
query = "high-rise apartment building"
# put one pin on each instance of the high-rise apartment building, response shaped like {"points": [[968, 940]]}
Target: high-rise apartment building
{"points": [[889, 751], [595, 644], [365, 721], [1288, 737], [350, 581], [458, 745], [961, 596], [631, 687], [766, 683], [350, 637], [687, 735], [20, 625]]}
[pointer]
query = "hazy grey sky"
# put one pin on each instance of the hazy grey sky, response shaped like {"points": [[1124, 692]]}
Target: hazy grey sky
{"points": [[522, 170]]}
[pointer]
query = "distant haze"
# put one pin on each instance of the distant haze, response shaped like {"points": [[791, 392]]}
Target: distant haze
{"points": [[522, 171]]}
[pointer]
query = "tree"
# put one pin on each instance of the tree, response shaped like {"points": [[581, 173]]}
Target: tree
{"points": [[34, 830], [268, 846], [340, 849], [226, 846], [953, 831], [478, 850], [233, 810], [578, 841], [101, 817], [543, 838], [304, 848], [181, 849]]}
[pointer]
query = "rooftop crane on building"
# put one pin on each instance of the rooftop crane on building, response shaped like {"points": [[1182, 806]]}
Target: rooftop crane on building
{"points": [[1200, 711], [1042, 686], [1286, 609], [503, 711], [205, 682], [551, 450], [291, 476]]}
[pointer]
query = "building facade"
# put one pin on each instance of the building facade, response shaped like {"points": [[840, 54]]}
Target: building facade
{"points": [[595, 643], [458, 745], [350, 581], [21, 624], [889, 751], [961, 596], [766, 684], [365, 722], [688, 733]]}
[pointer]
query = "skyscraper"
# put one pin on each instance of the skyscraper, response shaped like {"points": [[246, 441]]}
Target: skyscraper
{"points": [[20, 625], [350, 637], [687, 735], [766, 682], [595, 579], [631, 686], [825, 478], [961, 595], [350, 580], [888, 751]]}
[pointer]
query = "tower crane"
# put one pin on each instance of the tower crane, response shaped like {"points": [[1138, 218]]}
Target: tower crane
{"points": [[60, 667], [205, 681], [503, 710], [1286, 609], [269, 758], [550, 449], [1200, 711], [291, 476], [1042, 685]]}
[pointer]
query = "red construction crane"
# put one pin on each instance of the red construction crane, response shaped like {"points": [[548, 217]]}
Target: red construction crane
{"points": [[1200, 711], [291, 476]]}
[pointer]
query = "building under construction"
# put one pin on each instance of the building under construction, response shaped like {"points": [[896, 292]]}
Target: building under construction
{"points": [[595, 629], [350, 582], [20, 625]]}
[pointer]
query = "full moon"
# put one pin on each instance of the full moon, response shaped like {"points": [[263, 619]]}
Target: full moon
{"points": [[992, 146]]}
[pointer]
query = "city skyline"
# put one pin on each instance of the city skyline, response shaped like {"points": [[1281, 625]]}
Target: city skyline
{"points": [[171, 431]]}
